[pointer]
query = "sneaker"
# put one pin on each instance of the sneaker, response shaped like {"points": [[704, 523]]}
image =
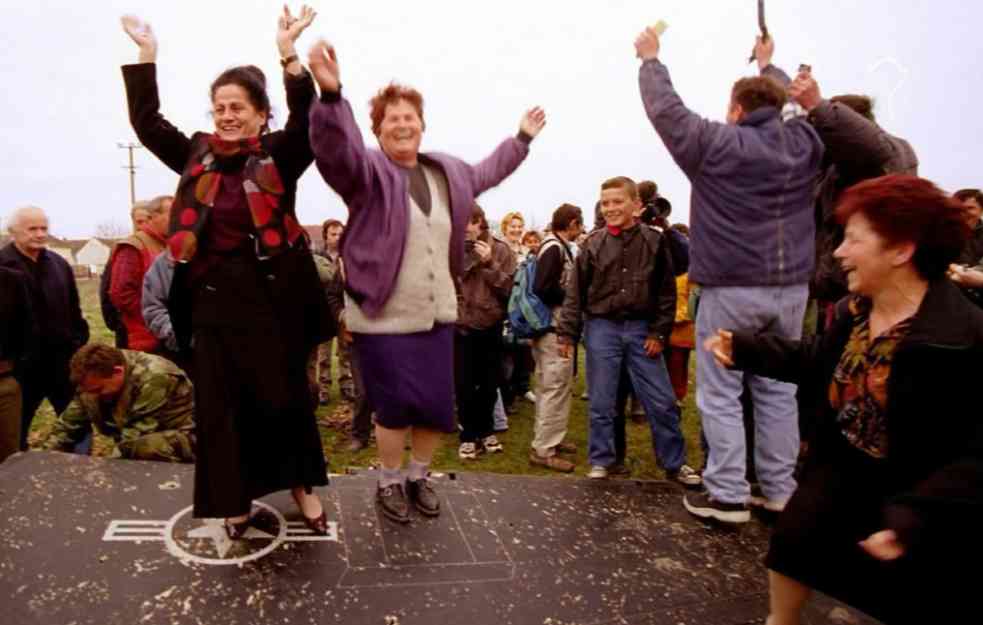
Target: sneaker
{"points": [[467, 451], [585, 396], [491, 444], [768, 504], [554, 463], [424, 497], [530, 397], [597, 472], [686, 476], [392, 502], [704, 506]]}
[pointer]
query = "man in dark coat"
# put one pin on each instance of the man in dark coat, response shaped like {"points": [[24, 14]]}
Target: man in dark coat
{"points": [[57, 315]]}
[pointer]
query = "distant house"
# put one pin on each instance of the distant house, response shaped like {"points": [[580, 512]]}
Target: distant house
{"points": [[94, 254]]}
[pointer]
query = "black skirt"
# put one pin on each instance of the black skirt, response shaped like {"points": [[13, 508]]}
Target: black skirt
{"points": [[840, 502], [256, 429]]}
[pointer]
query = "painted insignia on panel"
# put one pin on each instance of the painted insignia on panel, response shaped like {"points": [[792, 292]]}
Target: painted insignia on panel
{"points": [[204, 541]]}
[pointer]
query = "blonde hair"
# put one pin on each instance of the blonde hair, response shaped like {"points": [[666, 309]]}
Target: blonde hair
{"points": [[508, 219]]}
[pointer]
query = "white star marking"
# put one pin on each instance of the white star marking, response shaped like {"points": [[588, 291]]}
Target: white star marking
{"points": [[214, 530]]}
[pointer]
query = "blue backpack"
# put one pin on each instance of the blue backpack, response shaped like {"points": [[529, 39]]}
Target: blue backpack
{"points": [[528, 316]]}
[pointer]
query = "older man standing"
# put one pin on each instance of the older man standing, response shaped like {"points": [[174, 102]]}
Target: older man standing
{"points": [[753, 242], [57, 314]]}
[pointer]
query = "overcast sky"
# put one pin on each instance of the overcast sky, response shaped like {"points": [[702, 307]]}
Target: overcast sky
{"points": [[479, 65]]}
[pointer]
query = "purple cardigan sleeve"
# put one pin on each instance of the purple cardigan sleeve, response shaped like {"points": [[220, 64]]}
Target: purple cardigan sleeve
{"points": [[498, 165], [339, 151]]}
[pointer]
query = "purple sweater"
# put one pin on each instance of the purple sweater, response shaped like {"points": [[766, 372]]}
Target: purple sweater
{"points": [[376, 192]]}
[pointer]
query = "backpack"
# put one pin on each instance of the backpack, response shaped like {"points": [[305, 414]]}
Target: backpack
{"points": [[528, 317]]}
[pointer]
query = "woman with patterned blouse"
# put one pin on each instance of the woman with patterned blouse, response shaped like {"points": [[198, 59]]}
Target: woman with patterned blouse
{"points": [[891, 499], [244, 282]]}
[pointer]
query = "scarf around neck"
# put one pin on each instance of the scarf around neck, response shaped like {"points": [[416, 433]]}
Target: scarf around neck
{"points": [[200, 184]]}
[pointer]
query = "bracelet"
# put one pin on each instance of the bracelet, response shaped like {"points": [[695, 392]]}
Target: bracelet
{"points": [[287, 61]]}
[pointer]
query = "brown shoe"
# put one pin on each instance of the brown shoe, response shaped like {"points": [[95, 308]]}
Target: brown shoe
{"points": [[566, 448], [554, 463]]}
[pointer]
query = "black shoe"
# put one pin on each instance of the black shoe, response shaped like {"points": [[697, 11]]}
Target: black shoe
{"points": [[423, 496], [619, 469], [392, 501], [235, 531], [702, 505]]}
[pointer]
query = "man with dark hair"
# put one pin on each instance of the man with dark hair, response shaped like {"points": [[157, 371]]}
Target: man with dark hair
{"points": [[143, 402], [752, 243], [554, 373], [624, 286], [968, 272], [57, 315], [483, 294]]}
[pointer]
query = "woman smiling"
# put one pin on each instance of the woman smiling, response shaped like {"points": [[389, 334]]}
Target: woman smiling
{"points": [[890, 501], [245, 285]]}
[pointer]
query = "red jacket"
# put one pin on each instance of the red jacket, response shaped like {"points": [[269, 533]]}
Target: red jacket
{"points": [[129, 263]]}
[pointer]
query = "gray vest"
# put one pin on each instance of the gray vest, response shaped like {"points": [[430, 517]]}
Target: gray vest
{"points": [[424, 293]]}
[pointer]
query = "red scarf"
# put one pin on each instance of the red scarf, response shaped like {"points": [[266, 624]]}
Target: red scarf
{"points": [[200, 184]]}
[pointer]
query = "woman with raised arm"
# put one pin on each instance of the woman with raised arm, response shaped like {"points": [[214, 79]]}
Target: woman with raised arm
{"points": [[403, 247], [245, 285], [891, 498]]}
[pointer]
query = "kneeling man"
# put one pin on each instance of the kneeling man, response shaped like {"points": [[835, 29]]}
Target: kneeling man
{"points": [[143, 402]]}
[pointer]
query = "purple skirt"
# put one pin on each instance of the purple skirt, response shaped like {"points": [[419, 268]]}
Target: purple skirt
{"points": [[409, 378]]}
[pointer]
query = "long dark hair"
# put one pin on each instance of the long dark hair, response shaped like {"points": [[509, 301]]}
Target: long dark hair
{"points": [[253, 81]]}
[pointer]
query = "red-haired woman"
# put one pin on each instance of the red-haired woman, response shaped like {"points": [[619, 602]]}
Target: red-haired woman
{"points": [[890, 501], [245, 284], [403, 247]]}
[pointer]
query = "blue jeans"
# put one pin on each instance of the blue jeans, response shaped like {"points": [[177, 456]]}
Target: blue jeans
{"points": [[609, 345], [776, 310]]}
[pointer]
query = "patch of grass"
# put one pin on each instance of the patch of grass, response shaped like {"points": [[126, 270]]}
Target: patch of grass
{"points": [[516, 441]]}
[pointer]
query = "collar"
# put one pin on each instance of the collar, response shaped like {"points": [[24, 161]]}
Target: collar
{"points": [[615, 231], [760, 116], [946, 318]]}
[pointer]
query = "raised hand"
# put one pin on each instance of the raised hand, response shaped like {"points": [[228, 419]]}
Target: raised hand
{"points": [[142, 35], [533, 121], [289, 27], [323, 63], [764, 50], [647, 44], [804, 90]]}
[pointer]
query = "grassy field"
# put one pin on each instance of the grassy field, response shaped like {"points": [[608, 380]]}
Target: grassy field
{"points": [[516, 440]]}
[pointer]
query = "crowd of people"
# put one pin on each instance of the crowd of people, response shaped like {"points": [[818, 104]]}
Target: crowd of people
{"points": [[831, 295]]}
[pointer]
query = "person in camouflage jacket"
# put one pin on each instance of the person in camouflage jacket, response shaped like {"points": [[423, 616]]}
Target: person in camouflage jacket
{"points": [[143, 402]]}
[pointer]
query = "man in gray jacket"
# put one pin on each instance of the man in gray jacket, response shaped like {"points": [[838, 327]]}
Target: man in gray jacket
{"points": [[752, 247]]}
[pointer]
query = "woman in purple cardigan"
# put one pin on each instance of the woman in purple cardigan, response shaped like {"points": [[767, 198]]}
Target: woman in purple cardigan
{"points": [[403, 246]]}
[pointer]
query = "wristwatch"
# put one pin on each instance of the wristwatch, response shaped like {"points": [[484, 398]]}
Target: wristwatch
{"points": [[287, 61]]}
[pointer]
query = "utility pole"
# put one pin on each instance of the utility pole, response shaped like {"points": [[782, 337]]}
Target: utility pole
{"points": [[132, 167]]}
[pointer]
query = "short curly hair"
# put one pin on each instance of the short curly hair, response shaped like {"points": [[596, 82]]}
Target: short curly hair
{"points": [[391, 94], [755, 92], [94, 359]]}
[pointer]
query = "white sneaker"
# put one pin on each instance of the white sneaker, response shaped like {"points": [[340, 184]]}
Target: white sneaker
{"points": [[467, 451], [687, 477], [597, 473], [491, 444], [768, 504], [530, 397]]}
